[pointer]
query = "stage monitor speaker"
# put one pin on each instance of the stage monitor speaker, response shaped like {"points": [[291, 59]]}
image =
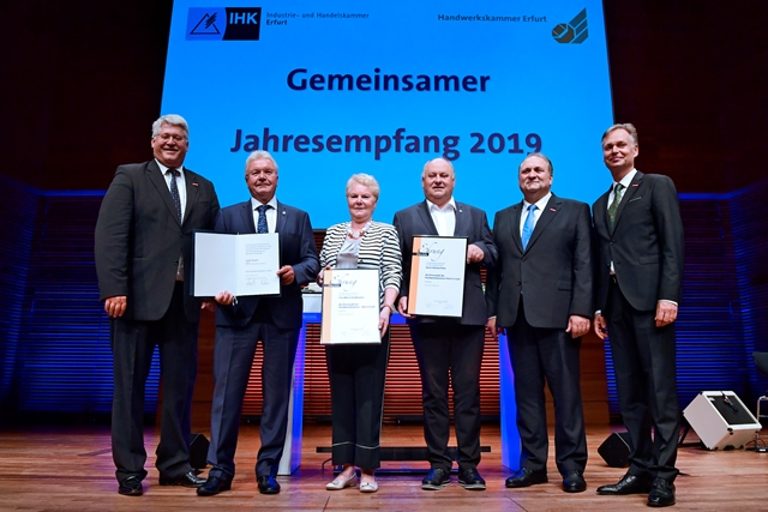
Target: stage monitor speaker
{"points": [[198, 451], [615, 450], [721, 420]]}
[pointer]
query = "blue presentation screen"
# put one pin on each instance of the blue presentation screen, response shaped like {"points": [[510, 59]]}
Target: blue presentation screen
{"points": [[334, 88]]}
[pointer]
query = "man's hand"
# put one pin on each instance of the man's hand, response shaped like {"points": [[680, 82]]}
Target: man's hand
{"points": [[490, 326], [286, 274], [666, 313], [474, 254], [115, 306], [225, 298], [578, 326], [601, 327]]}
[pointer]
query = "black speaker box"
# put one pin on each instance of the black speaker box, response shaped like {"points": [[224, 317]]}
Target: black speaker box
{"points": [[198, 451], [615, 450]]}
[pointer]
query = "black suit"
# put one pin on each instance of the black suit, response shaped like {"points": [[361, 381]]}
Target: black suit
{"points": [[533, 292], [448, 344], [646, 248], [138, 244], [276, 321]]}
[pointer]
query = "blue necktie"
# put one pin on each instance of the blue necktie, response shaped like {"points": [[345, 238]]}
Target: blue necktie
{"points": [[174, 173], [529, 225], [261, 226]]}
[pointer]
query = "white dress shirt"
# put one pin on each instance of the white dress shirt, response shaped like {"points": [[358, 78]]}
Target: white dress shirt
{"points": [[181, 184], [271, 214], [444, 218]]}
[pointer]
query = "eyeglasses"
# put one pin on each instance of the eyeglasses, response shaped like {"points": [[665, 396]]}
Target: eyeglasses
{"points": [[169, 136]]}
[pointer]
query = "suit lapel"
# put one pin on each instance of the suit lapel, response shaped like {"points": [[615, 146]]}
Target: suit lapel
{"points": [[155, 177], [426, 219], [282, 217], [246, 217], [193, 188], [634, 186], [515, 225], [463, 222]]}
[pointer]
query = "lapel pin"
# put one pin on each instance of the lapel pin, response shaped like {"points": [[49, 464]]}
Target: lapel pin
{"points": [[194, 184]]}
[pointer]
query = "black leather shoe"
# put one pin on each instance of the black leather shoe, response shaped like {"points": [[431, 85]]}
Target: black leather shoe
{"points": [[268, 484], [470, 479], [130, 486], [629, 484], [662, 493], [214, 485], [526, 477], [574, 482], [188, 479], [436, 478]]}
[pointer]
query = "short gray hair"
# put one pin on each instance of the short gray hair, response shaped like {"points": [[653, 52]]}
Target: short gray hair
{"points": [[367, 181], [628, 127], [260, 155], [173, 120]]}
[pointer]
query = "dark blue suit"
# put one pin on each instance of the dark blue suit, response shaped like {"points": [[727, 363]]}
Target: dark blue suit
{"points": [[276, 321]]}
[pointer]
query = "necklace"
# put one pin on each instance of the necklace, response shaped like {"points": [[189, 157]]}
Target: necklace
{"points": [[358, 234]]}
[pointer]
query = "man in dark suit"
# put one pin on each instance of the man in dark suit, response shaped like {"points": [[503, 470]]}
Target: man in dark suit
{"points": [[541, 293], [640, 238], [143, 242], [241, 322], [446, 345]]}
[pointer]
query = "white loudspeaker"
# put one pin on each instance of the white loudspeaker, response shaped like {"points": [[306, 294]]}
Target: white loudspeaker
{"points": [[721, 420]]}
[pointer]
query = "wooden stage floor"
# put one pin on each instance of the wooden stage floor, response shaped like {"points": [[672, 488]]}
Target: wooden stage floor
{"points": [[70, 469]]}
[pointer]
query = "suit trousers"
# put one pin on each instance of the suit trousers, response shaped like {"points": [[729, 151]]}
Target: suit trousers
{"points": [[356, 374], [644, 363], [133, 343], [232, 359], [537, 354], [450, 351]]}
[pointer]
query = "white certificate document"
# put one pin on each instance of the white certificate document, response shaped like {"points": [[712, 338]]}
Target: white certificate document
{"points": [[244, 264], [436, 287], [350, 306]]}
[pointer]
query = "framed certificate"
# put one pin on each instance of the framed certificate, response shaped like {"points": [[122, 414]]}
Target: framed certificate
{"points": [[241, 264], [350, 306], [436, 287]]}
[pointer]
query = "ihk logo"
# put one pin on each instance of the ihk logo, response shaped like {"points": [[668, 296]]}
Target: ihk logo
{"points": [[573, 32], [223, 23]]}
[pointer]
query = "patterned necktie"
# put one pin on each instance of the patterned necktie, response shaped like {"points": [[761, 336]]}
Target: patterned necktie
{"points": [[174, 173], [261, 225], [614, 206], [529, 225]]}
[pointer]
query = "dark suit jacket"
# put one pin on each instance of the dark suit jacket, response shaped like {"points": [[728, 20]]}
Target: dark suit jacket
{"points": [[297, 248], [472, 223], [646, 244], [138, 238], [554, 273]]}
